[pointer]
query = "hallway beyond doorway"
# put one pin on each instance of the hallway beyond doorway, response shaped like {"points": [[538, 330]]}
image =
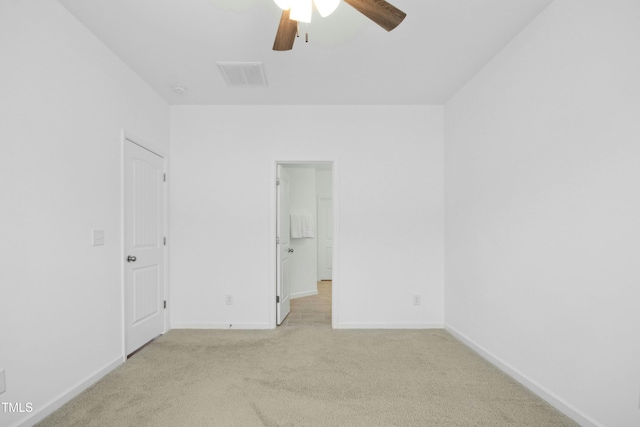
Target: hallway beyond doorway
{"points": [[314, 310]]}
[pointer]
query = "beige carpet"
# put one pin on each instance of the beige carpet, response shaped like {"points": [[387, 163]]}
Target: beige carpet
{"points": [[307, 375]]}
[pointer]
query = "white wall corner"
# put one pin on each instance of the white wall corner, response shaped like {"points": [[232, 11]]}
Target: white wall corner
{"points": [[538, 389]]}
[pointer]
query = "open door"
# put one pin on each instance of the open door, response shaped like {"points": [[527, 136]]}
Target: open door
{"points": [[283, 243], [143, 245]]}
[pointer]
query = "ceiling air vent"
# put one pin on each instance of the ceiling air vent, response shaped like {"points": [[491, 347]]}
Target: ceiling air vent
{"points": [[246, 74]]}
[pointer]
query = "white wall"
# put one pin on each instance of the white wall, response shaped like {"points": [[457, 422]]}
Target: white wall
{"points": [[63, 101], [389, 175], [543, 210], [304, 259]]}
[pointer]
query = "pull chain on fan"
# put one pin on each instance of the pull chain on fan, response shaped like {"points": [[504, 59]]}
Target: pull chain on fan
{"points": [[306, 32]]}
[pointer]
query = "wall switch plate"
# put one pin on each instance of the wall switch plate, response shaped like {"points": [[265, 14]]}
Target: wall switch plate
{"points": [[228, 299], [3, 382], [97, 237], [416, 300]]}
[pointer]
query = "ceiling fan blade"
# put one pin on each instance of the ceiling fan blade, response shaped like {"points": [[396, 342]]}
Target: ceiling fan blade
{"points": [[379, 11], [286, 34]]}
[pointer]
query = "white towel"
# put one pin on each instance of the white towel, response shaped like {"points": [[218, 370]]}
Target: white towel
{"points": [[295, 225], [307, 226], [301, 226]]}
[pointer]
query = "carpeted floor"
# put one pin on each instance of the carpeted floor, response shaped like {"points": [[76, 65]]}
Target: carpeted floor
{"points": [[307, 375]]}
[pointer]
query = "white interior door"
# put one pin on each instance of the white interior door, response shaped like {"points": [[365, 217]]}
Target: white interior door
{"points": [[283, 242], [143, 245], [325, 238]]}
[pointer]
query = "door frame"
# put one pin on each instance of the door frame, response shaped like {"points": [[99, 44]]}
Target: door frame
{"points": [[273, 248], [126, 137]]}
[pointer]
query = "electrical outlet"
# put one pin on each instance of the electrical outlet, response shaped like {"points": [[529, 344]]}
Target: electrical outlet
{"points": [[228, 299], [416, 300], [97, 237], [3, 382]]}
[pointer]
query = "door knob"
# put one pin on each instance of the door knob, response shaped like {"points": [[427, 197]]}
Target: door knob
{"points": [[290, 250], [131, 258]]}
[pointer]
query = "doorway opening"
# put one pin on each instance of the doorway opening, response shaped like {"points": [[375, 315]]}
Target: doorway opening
{"points": [[305, 244]]}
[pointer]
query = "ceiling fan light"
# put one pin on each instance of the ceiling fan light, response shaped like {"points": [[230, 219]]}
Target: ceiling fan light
{"points": [[301, 10], [283, 4], [326, 7]]}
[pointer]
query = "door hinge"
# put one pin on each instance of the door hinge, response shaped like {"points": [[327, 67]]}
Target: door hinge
{"points": [[277, 181], [277, 299], [165, 241], [165, 303], [277, 240]]}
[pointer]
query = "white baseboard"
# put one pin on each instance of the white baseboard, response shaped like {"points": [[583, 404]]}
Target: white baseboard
{"points": [[303, 294], [544, 393], [364, 325], [55, 404], [230, 325]]}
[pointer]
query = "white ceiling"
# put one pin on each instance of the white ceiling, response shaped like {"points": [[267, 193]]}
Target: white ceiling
{"points": [[348, 60]]}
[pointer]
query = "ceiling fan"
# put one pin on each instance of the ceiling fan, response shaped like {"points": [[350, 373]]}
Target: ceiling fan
{"points": [[379, 11]]}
